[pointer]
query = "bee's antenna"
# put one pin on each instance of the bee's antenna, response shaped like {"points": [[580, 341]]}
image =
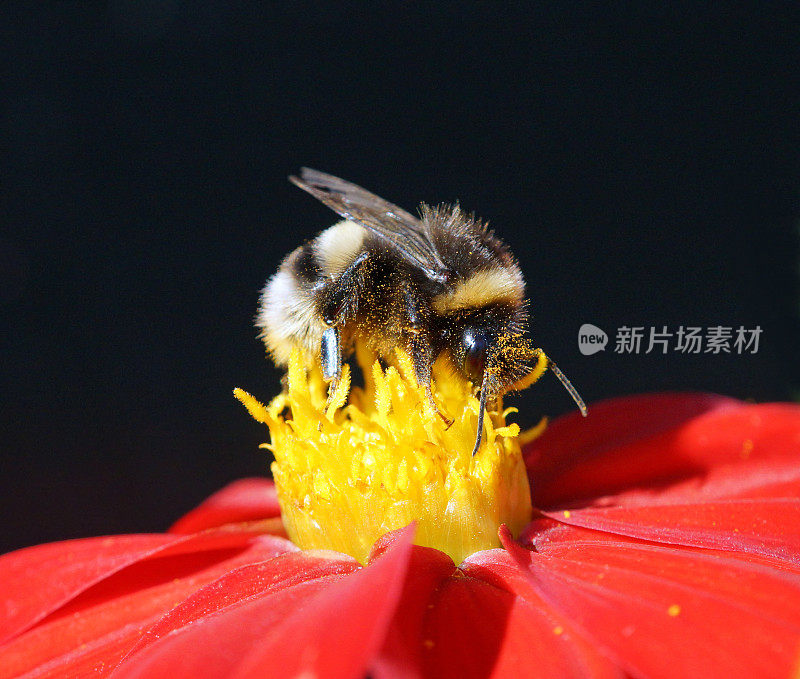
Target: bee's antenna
{"points": [[568, 386], [484, 392]]}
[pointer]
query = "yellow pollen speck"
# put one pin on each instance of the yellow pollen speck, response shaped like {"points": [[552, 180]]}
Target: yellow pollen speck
{"points": [[567, 514], [348, 470], [428, 643], [674, 610], [558, 630], [747, 448]]}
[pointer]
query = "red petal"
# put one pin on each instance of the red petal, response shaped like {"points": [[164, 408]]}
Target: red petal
{"points": [[541, 641], [658, 441], [768, 528], [401, 653], [476, 630], [272, 621], [37, 580], [459, 623], [252, 499], [94, 621], [750, 479], [662, 611]]}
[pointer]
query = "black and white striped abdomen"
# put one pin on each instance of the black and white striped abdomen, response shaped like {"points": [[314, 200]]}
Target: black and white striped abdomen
{"points": [[287, 313]]}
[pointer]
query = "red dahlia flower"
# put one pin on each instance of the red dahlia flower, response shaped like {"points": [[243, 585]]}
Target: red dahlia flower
{"points": [[666, 543]]}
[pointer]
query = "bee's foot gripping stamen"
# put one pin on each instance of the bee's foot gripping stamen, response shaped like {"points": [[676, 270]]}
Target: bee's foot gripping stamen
{"points": [[447, 421], [333, 385]]}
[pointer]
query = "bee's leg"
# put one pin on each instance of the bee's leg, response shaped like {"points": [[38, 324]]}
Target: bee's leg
{"points": [[331, 358], [422, 360], [448, 421], [420, 346], [339, 298], [337, 302], [479, 435]]}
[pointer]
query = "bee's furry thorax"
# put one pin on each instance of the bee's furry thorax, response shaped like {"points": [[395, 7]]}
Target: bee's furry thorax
{"points": [[483, 278]]}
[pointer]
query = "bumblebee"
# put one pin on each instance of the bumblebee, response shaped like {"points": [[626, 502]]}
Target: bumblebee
{"points": [[440, 284]]}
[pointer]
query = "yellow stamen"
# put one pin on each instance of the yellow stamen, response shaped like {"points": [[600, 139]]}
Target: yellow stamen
{"points": [[347, 474]]}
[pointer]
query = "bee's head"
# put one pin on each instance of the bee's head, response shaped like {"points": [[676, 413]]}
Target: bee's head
{"points": [[489, 348]]}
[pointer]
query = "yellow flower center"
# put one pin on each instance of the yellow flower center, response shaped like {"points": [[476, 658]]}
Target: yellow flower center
{"points": [[348, 472]]}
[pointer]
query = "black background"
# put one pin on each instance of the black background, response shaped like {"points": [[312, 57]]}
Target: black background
{"points": [[644, 167]]}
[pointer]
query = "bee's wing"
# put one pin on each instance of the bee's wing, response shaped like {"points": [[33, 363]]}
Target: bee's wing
{"points": [[407, 234]]}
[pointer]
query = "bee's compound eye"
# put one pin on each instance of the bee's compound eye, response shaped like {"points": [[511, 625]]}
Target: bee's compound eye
{"points": [[475, 345]]}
